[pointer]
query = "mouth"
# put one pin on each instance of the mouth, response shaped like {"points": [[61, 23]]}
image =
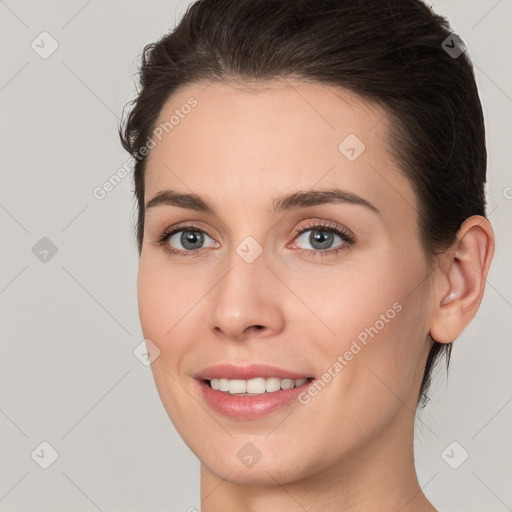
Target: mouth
{"points": [[250, 392], [239, 405]]}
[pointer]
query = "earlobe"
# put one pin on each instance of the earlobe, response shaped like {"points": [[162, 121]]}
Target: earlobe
{"points": [[462, 279]]}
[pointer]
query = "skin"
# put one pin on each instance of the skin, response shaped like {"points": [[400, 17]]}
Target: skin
{"points": [[351, 447]]}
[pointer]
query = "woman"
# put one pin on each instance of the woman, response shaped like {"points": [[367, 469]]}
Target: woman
{"points": [[312, 238]]}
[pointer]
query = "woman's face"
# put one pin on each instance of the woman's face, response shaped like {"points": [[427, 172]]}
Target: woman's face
{"points": [[344, 303]]}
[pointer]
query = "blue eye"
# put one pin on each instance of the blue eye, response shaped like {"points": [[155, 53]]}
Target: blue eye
{"points": [[321, 238], [322, 235], [190, 238]]}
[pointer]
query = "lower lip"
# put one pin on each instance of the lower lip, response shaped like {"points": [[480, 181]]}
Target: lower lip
{"points": [[249, 407]]}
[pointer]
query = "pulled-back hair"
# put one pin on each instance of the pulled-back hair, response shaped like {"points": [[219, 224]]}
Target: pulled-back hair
{"points": [[398, 54]]}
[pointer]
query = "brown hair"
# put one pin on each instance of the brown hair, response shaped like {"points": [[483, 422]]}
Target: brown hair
{"points": [[399, 54]]}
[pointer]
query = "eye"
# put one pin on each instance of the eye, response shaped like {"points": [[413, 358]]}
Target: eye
{"points": [[185, 240], [188, 240], [321, 237]]}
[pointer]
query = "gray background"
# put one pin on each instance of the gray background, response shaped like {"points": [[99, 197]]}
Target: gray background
{"points": [[69, 324]]}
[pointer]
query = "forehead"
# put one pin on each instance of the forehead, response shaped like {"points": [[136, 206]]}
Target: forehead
{"points": [[249, 142]]}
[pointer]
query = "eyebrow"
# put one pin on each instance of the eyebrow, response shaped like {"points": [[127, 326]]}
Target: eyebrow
{"points": [[294, 200]]}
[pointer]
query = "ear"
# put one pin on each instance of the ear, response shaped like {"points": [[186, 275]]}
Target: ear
{"points": [[460, 287]]}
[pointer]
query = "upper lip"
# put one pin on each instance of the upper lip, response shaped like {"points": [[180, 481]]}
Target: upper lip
{"points": [[231, 372]]}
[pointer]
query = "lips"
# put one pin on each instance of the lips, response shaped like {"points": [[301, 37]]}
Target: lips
{"points": [[253, 371], [250, 406]]}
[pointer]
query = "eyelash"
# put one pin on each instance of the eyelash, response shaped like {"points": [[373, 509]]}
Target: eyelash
{"points": [[326, 226]]}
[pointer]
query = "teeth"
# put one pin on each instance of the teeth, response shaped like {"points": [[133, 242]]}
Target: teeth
{"points": [[223, 384], [272, 384], [256, 386]]}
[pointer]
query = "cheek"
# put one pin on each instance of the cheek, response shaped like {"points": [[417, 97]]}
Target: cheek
{"points": [[381, 344], [358, 303], [378, 331], [151, 301], [165, 296], [163, 307]]}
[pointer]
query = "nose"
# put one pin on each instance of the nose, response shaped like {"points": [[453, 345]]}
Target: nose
{"points": [[246, 302]]}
